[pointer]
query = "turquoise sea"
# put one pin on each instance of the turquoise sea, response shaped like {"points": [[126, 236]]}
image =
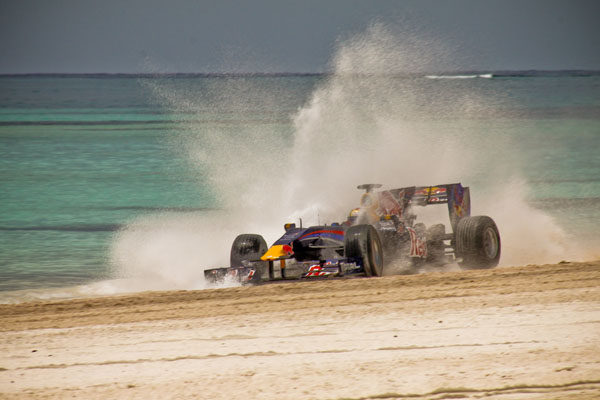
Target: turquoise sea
{"points": [[83, 157]]}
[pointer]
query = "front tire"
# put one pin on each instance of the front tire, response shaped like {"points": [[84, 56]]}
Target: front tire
{"points": [[362, 242], [477, 242], [249, 247]]}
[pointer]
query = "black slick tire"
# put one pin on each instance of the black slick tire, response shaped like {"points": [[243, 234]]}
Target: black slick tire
{"points": [[247, 247], [362, 242], [477, 242]]}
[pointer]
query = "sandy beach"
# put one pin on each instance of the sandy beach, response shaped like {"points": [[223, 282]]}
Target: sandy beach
{"points": [[530, 332]]}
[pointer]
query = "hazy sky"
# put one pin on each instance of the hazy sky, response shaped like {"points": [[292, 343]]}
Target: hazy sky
{"points": [[286, 35]]}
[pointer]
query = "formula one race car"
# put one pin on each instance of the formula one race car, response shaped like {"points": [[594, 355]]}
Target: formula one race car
{"points": [[381, 231]]}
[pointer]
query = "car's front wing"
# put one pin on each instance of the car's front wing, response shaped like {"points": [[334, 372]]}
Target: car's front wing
{"points": [[255, 272]]}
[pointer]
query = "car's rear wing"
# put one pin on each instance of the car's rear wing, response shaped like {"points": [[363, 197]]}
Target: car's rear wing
{"points": [[454, 194]]}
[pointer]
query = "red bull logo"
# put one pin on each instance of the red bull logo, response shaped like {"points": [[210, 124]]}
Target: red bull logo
{"points": [[431, 191], [287, 249], [388, 205]]}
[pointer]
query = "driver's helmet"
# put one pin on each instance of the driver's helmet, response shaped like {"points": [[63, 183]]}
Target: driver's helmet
{"points": [[353, 216]]}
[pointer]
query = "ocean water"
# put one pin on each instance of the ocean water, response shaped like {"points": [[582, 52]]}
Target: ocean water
{"points": [[119, 183]]}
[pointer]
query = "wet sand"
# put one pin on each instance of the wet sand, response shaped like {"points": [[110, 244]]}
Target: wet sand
{"points": [[530, 332]]}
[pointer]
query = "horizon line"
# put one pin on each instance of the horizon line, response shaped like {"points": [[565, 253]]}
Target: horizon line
{"points": [[497, 73]]}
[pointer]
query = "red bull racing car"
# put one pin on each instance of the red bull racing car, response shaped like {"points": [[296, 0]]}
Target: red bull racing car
{"points": [[381, 231]]}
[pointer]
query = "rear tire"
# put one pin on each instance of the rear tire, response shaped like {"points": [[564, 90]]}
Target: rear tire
{"points": [[363, 242], [477, 242]]}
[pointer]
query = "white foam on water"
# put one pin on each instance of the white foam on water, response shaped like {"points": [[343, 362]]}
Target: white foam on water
{"points": [[486, 76]]}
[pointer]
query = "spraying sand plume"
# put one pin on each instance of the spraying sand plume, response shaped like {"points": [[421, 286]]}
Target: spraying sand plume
{"points": [[374, 119]]}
